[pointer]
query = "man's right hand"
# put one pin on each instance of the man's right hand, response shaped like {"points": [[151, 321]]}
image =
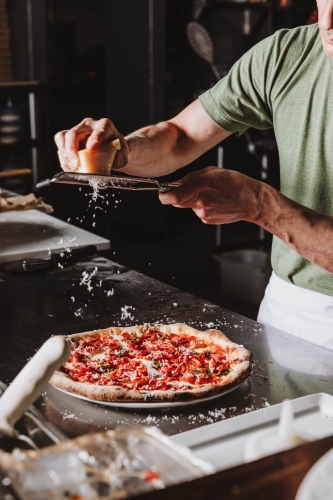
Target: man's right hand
{"points": [[88, 134]]}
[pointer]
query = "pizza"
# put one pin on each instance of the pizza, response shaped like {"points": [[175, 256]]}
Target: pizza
{"points": [[152, 362]]}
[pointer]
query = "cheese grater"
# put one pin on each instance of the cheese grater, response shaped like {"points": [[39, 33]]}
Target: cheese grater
{"points": [[109, 181]]}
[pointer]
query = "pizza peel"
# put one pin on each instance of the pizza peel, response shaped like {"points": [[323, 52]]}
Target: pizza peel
{"points": [[28, 385], [114, 181]]}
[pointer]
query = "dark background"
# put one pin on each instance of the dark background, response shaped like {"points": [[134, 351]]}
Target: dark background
{"points": [[131, 61]]}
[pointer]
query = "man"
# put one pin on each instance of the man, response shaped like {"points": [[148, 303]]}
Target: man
{"points": [[285, 81]]}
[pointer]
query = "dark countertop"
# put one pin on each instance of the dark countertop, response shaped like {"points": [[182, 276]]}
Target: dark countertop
{"points": [[35, 306]]}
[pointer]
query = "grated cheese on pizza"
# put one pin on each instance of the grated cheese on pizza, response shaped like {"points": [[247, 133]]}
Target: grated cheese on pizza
{"points": [[152, 362], [149, 361]]}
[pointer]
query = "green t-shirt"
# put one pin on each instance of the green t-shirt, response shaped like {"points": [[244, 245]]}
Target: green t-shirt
{"points": [[286, 82]]}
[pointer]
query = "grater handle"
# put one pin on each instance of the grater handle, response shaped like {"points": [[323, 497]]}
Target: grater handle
{"points": [[43, 183], [165, 187]]}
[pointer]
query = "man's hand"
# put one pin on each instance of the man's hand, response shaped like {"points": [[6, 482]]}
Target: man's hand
{"points": [[217, 196], [88, 134], [220, 196]]}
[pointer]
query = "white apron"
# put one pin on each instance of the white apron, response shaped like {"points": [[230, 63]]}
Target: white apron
{"points": [[300, 312]]}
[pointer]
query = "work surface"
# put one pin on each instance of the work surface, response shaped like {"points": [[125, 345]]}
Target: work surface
{"points": [[31, 234], [35, 306]]}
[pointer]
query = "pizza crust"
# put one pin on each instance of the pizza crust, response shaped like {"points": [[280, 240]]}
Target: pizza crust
{"points": [[239, 357]]}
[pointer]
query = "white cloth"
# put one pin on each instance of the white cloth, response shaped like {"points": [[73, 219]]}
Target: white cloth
{"points": [[306, 314]]}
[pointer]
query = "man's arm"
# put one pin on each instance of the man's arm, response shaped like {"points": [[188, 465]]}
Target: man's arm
{"points": [[306, 231], [163, 148], [151, 151], [224, 196], [216, 196]]}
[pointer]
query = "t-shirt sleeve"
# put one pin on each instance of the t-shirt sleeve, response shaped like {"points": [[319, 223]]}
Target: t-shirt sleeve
{"points": [[241, 99]]}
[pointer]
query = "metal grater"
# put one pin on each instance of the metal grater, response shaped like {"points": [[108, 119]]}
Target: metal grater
{"points": [[109, 181]]}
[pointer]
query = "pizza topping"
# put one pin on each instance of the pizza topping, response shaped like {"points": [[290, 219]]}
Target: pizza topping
{"points": [[151, 361], [151, 475]]}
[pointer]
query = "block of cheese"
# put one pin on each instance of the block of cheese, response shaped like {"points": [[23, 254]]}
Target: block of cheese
{"points": [[100, 160]]}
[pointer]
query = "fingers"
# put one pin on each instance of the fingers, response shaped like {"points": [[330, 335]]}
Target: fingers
{"points": [[68, 143], [212, 193], [59, 139], [196, 173], [187, 194], [205, 216], [101, 131], [66, 159], [63, 161], [90, 134], [73, 138], [179, 197]]}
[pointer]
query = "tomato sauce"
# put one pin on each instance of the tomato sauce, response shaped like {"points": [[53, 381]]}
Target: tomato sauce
{"points": [[151, 361]]}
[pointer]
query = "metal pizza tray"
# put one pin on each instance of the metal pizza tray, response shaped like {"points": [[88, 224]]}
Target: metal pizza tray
{"points": [[223, 443]]}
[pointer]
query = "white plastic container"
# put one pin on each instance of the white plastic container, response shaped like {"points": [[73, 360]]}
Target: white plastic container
{"points": [[244, 274]]}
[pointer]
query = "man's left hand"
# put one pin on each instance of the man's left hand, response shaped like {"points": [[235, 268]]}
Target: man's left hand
{"points": [[217, 196]]}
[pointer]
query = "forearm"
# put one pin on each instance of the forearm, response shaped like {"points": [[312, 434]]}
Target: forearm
{"points": [[164, 148], [156, 150], [306, 231]]}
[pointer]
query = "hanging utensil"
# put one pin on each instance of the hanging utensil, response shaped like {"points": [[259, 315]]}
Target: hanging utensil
{"points": [[198, 7], [109, 181], [202, 44]]}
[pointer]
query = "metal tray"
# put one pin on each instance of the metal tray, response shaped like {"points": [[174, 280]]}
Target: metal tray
{"points": [[222, 443]]}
